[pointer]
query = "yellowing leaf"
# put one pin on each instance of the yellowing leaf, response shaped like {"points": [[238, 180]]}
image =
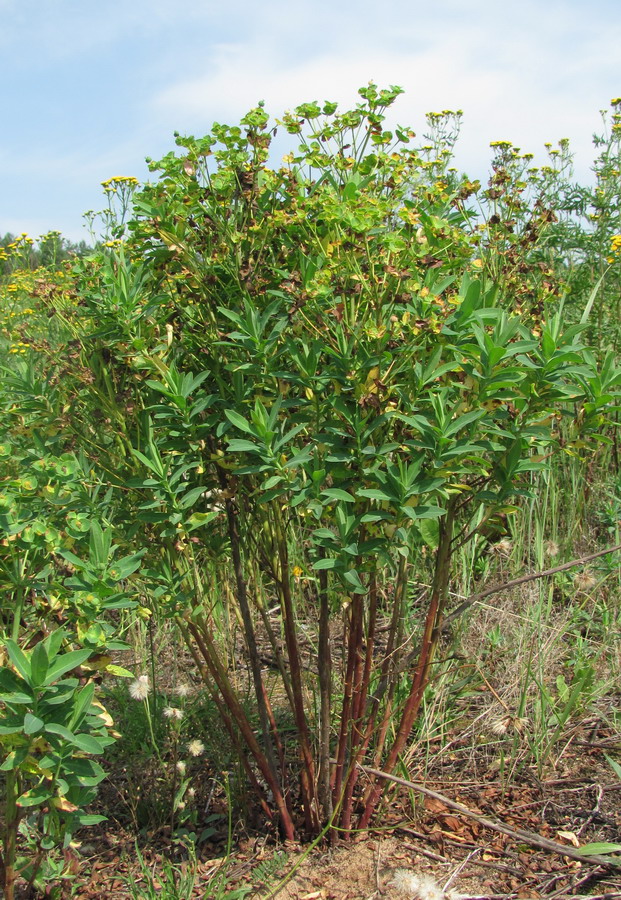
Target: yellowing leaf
{"points": [[569, 836], [64, 804], [119, 671], [370, 385]]}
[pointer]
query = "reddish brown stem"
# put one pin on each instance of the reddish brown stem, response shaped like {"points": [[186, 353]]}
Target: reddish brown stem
{"points": [[244, 607], [421, 672], [352, 651], [388, 664], [358, 746], [209, 653], [307, 774], [226, 719], [324, 667]]}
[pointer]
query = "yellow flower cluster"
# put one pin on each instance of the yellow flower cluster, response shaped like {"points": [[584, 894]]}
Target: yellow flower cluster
{"points": [[20, 243], [111, 185], [615, 247], [120, 179], [444, 114], [20, 347]]}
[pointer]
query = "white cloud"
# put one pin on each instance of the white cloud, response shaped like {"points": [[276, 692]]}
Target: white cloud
{"points": [[514, 84], [111, 82]]}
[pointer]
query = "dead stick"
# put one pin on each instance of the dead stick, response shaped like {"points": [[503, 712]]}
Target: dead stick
{"points": [[614, 895], [520, 834], [523, 579], [474, 598]]}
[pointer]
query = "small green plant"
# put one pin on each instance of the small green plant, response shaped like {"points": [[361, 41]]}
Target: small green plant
{"points": [[50, 727], [170, 882], [177, 881]]}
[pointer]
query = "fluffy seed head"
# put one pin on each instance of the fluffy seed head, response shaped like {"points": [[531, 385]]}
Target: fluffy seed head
{"points": [[503, 547], [551, 548], [584, 581], [139, 689], [416, 887]]}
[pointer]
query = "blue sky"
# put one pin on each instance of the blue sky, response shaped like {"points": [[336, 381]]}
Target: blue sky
{"points": [[91, 88]]}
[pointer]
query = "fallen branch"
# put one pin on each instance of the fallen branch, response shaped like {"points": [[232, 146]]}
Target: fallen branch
{"points": [[609, 896], [520, 834], [407, 660], [523, 579]]}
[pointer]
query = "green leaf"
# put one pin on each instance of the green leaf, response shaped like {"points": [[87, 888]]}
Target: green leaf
{"points": [[11, 683], [89, 744], [17, 697], [286, 438], [198, 519], [100, 543], [598, 849], [616, 768], [375, 494], [126, 566], [352, 577], [84, 768], [238, 421], [32, 724], [39, 664], [53, 642], [60, 730], [327, 563], [300, 458], [192, 496], [461, 421], [423, 512], [91, 819], [14, 759], [35, 796], [119, 671], [65, 663], [338, 494], [239, 445], [72, 558], [429, 530], [271, 482], [82, 704], [153, 466], [589, 306], [19, 659]]}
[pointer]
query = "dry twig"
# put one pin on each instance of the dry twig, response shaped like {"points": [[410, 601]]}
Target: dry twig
{"points": [[529, 837]]}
